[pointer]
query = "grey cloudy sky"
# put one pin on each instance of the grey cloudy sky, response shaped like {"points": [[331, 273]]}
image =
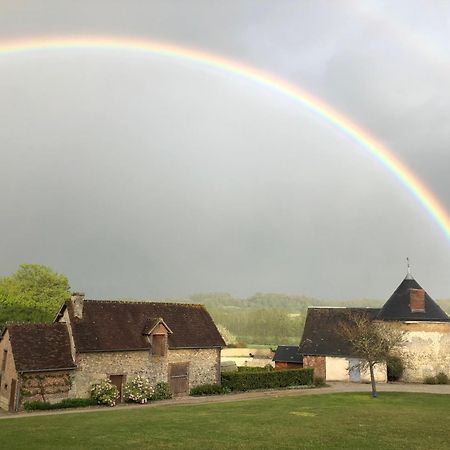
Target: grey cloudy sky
{"points": [[143, 176]]}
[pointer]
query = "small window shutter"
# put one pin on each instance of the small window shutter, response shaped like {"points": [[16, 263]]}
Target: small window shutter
{"points": [[159, 344]]}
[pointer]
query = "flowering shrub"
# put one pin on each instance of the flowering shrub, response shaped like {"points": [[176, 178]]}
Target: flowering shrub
{"points": [[105, 393], [138, 390]]}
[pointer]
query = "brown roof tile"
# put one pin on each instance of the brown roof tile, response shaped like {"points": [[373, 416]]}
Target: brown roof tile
{"points": [[40, 346], [119, 325]]}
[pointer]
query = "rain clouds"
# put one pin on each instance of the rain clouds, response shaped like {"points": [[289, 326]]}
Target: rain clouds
{"points": [[147, 176]]}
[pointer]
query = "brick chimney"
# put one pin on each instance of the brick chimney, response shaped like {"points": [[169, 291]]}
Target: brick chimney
{"points": [[77, 301], [417, 300]]}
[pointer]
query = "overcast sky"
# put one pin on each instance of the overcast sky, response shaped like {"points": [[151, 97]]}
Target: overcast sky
{"points": [[141, 176]]}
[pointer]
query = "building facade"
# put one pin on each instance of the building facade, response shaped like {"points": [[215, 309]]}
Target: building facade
{"points": [[426, 327], [92, 340]]}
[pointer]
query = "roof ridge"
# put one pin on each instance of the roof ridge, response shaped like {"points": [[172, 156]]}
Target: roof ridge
{"points": [[343, 307], [142, 302], [19, 323]]}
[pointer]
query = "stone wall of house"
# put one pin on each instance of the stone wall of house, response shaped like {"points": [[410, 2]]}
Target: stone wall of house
{"points": [[45, 386], [204, 364], [317, 363], [426, 351], [8, 374], [204, 367]]}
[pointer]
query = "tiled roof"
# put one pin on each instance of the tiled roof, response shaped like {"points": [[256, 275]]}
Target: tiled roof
{"points": [[118, 325], [321, 335], [40, 346], [398, 305], [288, 353]]}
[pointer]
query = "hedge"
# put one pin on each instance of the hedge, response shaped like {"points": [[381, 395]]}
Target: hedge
{"points": [[208, 389], [66, 403], [267, 368], [246, 381]]}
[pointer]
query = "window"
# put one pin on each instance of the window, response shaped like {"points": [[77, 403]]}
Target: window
{"points": [[5, 355], [159, 344]]}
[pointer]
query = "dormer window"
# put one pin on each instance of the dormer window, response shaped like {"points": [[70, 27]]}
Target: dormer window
{"points": [[159, 344], [417, 300], [157, 333]]}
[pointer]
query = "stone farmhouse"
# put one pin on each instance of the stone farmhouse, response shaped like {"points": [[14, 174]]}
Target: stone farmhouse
{"points": [[427, 336], [92, 340]]}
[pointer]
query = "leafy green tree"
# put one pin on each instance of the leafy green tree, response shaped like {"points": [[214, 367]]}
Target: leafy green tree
{"points": [[33, 293]]}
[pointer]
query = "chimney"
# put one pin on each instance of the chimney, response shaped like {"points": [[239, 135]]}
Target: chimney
{"points": [[417, 300], [77, 301]]}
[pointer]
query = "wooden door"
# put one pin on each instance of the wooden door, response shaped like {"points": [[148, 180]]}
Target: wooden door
{"points": [[353, 369], [12, 396], [179, 378], [117, 380]]}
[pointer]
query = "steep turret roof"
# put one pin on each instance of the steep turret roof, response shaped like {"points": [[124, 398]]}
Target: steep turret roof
{"points": [[410, 302]]}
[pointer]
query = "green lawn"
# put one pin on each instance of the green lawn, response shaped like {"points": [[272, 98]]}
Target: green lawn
{"points": [[392, 421]]}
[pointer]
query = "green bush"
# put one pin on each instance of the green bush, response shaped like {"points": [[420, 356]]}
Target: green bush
{"points": [[209, 389], [394, 368], [267, 368], [442, 378], [76, 403], [37, 405], [161, 392], [66, 403], [245, 381], [430, 380]]}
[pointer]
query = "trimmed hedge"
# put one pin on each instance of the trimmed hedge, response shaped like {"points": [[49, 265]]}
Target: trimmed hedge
{"points": [[267, 368], [209, 389], [38, 405], [246, 381]]}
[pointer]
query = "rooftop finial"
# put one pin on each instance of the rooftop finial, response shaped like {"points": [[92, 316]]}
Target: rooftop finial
{"points": [[408, 273]]}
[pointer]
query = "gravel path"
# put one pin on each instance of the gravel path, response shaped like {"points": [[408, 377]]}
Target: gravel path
{"points": [[333, 387]]}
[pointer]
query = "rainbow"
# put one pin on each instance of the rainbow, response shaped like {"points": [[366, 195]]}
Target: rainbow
{"points": [[381, 153]]}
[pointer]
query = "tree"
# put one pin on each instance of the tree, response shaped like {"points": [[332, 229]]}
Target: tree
{"points": [[372, 342], [33, 293]]}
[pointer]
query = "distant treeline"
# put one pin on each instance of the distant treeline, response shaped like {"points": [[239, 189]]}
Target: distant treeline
{"points": [[269, 318]]}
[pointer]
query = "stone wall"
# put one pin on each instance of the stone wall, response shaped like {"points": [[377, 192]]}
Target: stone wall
{"points": [[45, 386], [204, 367], [426, 351], [8, 374], [317, 363]]}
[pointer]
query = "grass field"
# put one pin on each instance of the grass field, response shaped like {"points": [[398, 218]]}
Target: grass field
{"points": [[392, 421]]}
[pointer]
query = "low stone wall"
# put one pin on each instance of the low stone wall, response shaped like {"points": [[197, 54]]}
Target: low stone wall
{"points": [[249, 357]]}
